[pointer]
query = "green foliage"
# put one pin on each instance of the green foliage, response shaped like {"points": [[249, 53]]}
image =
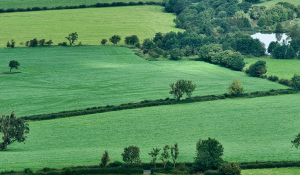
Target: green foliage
{"points": [[283, 51], [115, 39], [13, 64], [257, 69], [165, 155], [176, 54], [72, 38], [108, 171], [28, 171], [209, 153], [229, 169], [154, 153], [182, 87], [235, 88], [103, 41], [33, 43], [131, 155], [271, 46], [174, 153], [13, 129], [279, 28], [132, 39], [104, 159], [296, 141], [68, 171], [49, 42], [296, 82], [207, 52]]}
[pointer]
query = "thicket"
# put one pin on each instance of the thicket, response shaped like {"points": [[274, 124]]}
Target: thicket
{"points": [[97, 5]]}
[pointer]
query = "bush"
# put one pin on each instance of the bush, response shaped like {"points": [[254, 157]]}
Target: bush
{"points": [[211, 172], [229, 169], [103, 41], [295, 82], [235, 88], [28, 171], [115, 164], [257, 69], [33, 43], [285, 82], [42, 42], [63, 44], [68, 171], [273, 78], [49, 42]]}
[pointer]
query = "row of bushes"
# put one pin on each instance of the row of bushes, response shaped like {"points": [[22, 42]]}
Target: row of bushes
{"points": [[269, 164], [148, 103], [114, 4]]}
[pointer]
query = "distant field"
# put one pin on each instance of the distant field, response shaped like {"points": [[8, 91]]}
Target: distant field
{"points": [[249, 129], [269, 3], [272, 171], [92, 24], [54, 3], [279, 67], [65, 78]]}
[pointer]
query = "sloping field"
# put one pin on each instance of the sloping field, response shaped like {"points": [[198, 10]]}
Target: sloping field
{"points": [[91, 24], [249, 129], [272, 171], [279, 67], [268, 3], [64, 78], [5, 4]]}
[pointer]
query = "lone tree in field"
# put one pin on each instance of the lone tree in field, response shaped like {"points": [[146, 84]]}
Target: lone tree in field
{"points": [[115, 39], [235, 88], [174, 153], [181, 87], [131, 40], [103, 41], [296, 141], [13, 129], [209, 154], [131, 155], [72, 38], [165, 155], [296, 82], [257, 69], [154, 155], [13, 64], [105, 159]]}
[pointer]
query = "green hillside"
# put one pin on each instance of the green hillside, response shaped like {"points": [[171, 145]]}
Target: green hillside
{"points": [[54, 3], [273, 171], [64, 78], [249, 129], [92, 24], [269, 3]]}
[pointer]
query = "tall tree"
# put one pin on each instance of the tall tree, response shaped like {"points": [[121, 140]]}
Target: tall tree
{"points": [[13, 64], [174, 153], [115, 39], [165, 155], [154, 153], [13, 129], [131, 155], [105, 159], [181, 87], [72, 38]]}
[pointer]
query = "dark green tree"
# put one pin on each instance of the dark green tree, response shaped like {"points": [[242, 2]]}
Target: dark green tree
{"points": [[229, 169], [257, 69], [182, 87], [13, 64], [13, 129], [235, 88], [33, 43], [115, 39], [206, 52], [154, 153], [209, 153], [296, 141], [131, 40], [103, 41], [174, 153], [296, 82], [294, 31], [104, 159], [131, 155], [165, 155], [279, 28], [290, 53], [272, 45], [176, 54], [72, 38]]}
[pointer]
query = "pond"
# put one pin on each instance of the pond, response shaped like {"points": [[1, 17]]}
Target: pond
{"points": [[268, 38]]}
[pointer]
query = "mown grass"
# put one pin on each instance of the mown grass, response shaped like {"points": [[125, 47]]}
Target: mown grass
{"points": [[272, 171], [64, 78], [249, 129], [5, 4], [92, 24], [279, 67], [269, 3]]}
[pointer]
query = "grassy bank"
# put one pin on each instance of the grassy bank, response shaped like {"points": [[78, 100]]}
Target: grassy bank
{"points": [[92, 24], [65, 78], [249, 129], [273, 171]]}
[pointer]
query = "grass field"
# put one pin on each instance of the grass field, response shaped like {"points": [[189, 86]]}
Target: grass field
{"points": [[269, 3], [272, 171], [249, 129], [279, 67], [92, 24], [64, 78], [5, 4]]}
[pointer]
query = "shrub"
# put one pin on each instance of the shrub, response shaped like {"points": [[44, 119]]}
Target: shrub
{"points": [[10, 10], [36, 9], [229, 169], [295, 82], [273, 78], [44, 8], [42, 42], [257, 69], [63, 44], [235, 88], [211, 172], [49, 42], [115, 164], [33, 43], [46, 169], [28, 171], [285, 82], [103, 41]]}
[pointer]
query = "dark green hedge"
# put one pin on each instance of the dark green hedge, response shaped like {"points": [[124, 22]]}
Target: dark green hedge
{"points": [[148, 103], [269, 164], [114, 4], [108, 171]]}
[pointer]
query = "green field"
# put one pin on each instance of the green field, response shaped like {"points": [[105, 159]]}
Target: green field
{"points": [[279, 67], [269, 3], [272, 171], [64, 78], [5, 4], [92, 24], [249, 129]]}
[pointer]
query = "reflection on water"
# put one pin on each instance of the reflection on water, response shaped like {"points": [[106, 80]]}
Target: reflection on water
{"points": [[268, 38]]}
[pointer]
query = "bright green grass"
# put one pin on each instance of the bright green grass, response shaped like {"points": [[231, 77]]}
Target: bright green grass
{"points": [[279, 67], [54, 3], [249, 129], [64, 78], [269, 3], [92, 24], [272, 171]]}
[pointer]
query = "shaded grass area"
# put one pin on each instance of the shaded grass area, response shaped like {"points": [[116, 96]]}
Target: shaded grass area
{"points": [[279, 67], [92, 24], [273, 171], [54, 3], [258, 129], [55, 79]]}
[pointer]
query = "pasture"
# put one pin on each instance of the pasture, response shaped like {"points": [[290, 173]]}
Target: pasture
{"points": [[269, 3], [249, 129], [279, 67], [91, 24], [5, 4], [273, 171], [55, 79]]}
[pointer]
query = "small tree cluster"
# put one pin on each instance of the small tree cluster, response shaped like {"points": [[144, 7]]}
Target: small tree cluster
{"points": [[34, 43], [105, 159], [103, 41], [257, 69], [115, 39], [72, 38], [229, 169], [131, 40], [235, 88], [131, 155], [154, 153], [12, 44], [296, 82], [182, 87]]}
